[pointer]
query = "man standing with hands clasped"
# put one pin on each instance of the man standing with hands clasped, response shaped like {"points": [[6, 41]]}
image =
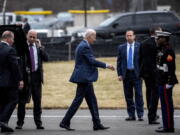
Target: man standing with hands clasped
{"points": [[128, 72], [166, 65], [148, 71], [84, 74]]}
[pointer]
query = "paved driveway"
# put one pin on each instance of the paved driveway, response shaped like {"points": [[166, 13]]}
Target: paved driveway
{"points": [[83, 125]]}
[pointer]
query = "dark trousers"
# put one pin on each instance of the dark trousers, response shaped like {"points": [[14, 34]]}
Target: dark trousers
{"points": [[8, 102], [167, 107], [152, 97], [133, 85], [36, 92], [84, 90]]}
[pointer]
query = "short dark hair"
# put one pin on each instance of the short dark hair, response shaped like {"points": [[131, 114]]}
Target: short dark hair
{"points": [[25, 19], [152, 30], [130, 30]]}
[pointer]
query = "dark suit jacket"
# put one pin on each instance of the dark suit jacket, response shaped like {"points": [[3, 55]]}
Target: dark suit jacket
{"points": [[9, 69], [42, 56], [122, 59], [26, 28], [147, 54], [85, 64]]}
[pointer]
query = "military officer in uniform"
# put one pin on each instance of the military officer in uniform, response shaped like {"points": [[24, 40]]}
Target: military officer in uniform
{"points": [[166, 80]]}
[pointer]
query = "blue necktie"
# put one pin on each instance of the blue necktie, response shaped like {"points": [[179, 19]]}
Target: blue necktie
{"points": [[130, 59]]}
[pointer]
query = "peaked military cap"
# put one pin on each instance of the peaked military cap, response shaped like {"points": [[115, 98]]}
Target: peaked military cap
{"points": [[162, 34]]}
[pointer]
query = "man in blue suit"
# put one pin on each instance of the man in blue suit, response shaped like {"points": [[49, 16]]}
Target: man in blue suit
{"points": [[84, 74], [128, 72]]}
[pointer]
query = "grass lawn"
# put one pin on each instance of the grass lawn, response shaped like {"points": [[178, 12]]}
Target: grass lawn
{"points": [[58, 92]]}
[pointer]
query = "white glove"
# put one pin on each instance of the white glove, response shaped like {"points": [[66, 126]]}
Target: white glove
{"points": [[168, 86]]}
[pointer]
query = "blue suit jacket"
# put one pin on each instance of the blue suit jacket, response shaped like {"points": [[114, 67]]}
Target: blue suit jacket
{"points": [[122, 59], [85, 69]]}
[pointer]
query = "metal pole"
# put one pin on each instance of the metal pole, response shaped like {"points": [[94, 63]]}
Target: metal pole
{"points": [[69, 51], [142, 5], [154, 4], [3, 11], [85, 13]]}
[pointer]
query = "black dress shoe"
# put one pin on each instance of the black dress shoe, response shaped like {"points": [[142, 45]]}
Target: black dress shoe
{"points": [[100, 127], [40, 127], [162, 130], [153, 122], [160, 127], [157, 117], [140, 119], [130, 119], [67, 127], [19, 127], [5, 128]]}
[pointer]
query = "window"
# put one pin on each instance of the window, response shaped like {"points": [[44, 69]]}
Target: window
{"points": [[144, 19], [164, 17], [124, 20]]}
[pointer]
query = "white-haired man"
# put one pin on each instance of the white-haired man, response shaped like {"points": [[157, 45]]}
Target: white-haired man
{"points": [[84, 74]]}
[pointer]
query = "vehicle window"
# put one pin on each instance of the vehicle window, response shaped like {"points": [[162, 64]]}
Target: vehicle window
{"points": [[108, 21], [162, 17], [144, 19], [10, 18], [125, 20], [18, 18]]}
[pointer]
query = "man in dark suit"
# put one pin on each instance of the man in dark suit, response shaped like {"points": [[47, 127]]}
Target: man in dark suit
{"points": [[84, 74], [26, 26], [128, 71], [10, 80], [37, 56], [148, 71]]}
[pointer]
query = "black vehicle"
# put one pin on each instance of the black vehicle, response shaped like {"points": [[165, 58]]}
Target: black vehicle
{"points": [[19, 40], [112, 30]]}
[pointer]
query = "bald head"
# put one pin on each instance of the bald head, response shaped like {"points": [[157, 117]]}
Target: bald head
{"points": [[32, 36], [90, 35], [7, 34], [32, 32], [8, 37]]}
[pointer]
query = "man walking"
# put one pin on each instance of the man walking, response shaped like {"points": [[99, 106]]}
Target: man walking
{"points": [[128, 72], [84, 74], [10, 80]]}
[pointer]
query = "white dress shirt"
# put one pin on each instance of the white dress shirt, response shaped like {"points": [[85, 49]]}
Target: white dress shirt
{"points": [[5, 42]]}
